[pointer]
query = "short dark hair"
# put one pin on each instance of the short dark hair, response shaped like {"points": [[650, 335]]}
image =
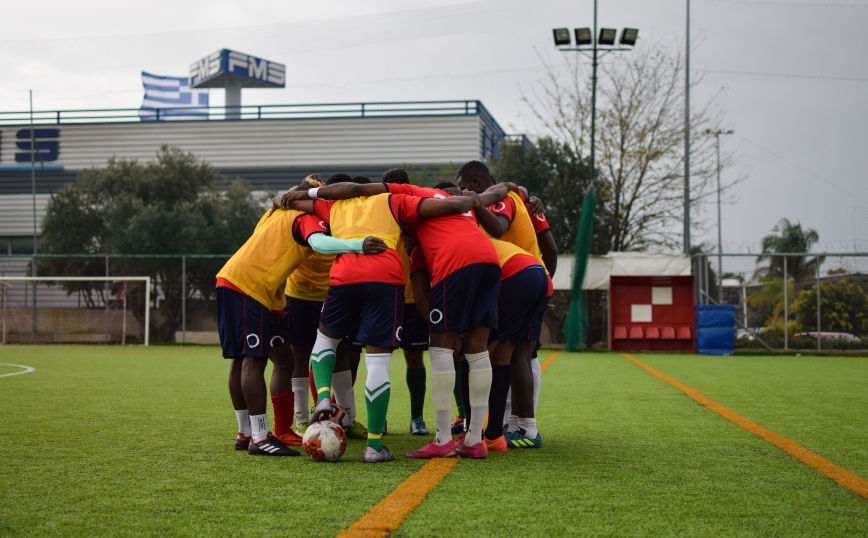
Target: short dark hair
{"points": [[362, 180], [396, 175], [445, 185], [339, 178], [473, 169]]}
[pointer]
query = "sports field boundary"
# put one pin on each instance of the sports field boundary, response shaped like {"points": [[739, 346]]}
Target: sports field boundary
{"points": [[842, 476], [391, 512], [27, 369]]}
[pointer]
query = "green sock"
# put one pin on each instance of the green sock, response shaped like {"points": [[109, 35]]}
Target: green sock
{"points": [[377, 404], [457, 391], [322, 362], [416, 378]]}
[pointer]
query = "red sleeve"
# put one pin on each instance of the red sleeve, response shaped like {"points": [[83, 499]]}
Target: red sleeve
{"points": [[505, 208], [540, 224], [417, 261], [412, 190], [522, 196], [307, 225], [405, 208], [323, 209]]}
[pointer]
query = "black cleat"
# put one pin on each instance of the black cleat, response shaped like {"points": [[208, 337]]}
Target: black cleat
{"points": [[241, 442], [270, 446]]}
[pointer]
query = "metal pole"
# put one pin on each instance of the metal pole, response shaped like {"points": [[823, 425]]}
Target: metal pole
{"points": [[33, 188], [183, 299], [106, 298], [124, 328], [719, 230], [705, 280], [147, 311], [687, 138], [786, 308], [819, 326], [594, 99]]}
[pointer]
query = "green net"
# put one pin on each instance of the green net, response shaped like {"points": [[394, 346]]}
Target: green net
{"points": [[575, 328]]}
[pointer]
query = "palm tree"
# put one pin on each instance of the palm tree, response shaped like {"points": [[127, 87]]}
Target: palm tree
{"points": [[789, 238]]}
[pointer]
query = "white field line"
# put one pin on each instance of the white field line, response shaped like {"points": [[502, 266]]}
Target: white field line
{"points": [[27, 369]]}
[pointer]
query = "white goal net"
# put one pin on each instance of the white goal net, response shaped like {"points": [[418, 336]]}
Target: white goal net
{"points": [[56, 309]]}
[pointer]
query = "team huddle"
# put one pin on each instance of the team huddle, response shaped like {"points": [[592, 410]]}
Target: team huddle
{"points": [[460, 270]]}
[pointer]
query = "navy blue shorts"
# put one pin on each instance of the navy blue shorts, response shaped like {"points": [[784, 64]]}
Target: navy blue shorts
{"points": [[535, 329], [303, 318], [414, 330], [246, 327], [518, 304], [466, 298], [376, 308]]}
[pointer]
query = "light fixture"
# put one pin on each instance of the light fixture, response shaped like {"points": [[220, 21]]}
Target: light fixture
{"points": [[607, 36], [628, 36], [562, 37], [584, 36]]}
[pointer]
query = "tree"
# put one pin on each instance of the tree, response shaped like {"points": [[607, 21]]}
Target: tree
{"points": [[843, 308], [640, 139], [169, 207], [787, 237]]}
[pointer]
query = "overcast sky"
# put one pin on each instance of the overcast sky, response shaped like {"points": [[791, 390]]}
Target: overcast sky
{"points": [[794, 74]]}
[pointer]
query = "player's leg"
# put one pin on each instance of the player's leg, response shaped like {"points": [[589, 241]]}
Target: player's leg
{"points": [[341, 307], [242, 439], [230, 328], [414, 341], [458, 426], [280, 387], [303, 325], [382, 312]]}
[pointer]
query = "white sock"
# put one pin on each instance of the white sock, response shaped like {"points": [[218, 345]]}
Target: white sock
{"points": [[512, 423], [529, 427], [259, 425], [345, 396], [508, 411], [537, 380], [442, 384], [301, 390], [480, 387], [243, 417]]}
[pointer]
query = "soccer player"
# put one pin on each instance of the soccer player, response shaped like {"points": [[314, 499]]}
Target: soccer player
{"points": [[510, 221], [250, 303], [414, 329], [370, 287]]}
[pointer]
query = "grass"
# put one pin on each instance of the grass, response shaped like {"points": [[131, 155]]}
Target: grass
{"points": [[133, 441]]}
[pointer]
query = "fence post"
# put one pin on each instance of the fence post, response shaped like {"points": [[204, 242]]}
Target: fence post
{"points": [[106, 291], [819, 325], [786, 308], [183, 299]]}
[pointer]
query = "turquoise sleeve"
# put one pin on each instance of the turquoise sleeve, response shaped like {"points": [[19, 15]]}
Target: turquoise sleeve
{"points": [[326, 244]]}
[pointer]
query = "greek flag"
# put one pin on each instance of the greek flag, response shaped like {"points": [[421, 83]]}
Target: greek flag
{"points": [[164, 96]]}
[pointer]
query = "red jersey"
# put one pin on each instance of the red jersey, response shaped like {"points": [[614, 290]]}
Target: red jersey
{"points": [[540, 224], [357, 218], [450, 242]]}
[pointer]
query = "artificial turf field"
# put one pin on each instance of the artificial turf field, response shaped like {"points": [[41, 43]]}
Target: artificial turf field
{"points": [[138, 441]]}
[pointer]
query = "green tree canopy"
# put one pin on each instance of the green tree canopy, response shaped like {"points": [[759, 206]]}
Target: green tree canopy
{"points": [[173, 205], [787, 237], [843, 308]]}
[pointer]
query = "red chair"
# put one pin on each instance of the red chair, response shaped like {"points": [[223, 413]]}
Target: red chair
{"points": [[652, 333], [620, 333], [636, 333], [668, 333], [684, 333]]}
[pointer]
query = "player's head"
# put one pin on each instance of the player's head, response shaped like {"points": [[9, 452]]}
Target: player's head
{"points": [[474, 176], [361, 180], [396, 175], [339, 178], [310, 182], [445, 185]]}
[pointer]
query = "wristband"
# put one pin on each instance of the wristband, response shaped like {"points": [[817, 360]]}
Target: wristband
{"points": [[311, 193]]}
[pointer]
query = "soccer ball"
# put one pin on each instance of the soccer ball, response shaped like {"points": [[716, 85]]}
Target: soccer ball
{"points": [[340, 417], [324, 441]]}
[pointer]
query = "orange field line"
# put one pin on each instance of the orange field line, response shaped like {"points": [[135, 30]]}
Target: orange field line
{"points": [[854, 483], [855, 359], [389, 513]]}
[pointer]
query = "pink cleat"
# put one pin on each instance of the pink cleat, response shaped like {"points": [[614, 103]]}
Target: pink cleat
{"points": [[433, 450], [476, 452]]}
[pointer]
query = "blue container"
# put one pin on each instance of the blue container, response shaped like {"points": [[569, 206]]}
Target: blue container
{"points": [[715, 329]]}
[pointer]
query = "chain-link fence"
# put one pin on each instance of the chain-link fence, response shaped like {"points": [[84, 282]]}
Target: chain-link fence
{"points": [[798, 301]]}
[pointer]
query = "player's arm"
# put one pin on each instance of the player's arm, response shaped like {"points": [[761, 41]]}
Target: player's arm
{"points": [[421, 283], [494, 194], [491, 223], [438, 207], [549, 250], [328, 245], [337, 191]]}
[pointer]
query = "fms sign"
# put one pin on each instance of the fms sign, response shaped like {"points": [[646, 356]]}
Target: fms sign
{"points": [[47, 145], [215, 70]]}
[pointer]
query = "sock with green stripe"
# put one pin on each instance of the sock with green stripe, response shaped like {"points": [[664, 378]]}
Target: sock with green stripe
{"points": [[322, 362], [416, 378], [377, 393]]}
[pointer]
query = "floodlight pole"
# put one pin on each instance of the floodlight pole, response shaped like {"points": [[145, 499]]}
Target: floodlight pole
{"points": [[716, 134], [33, 188], [687, 138], [594, 99]]}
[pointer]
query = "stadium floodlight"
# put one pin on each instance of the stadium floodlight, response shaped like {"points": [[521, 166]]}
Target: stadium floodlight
{"points": [[628, 36], [562, 37], [584, 36], [607, 36]]}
